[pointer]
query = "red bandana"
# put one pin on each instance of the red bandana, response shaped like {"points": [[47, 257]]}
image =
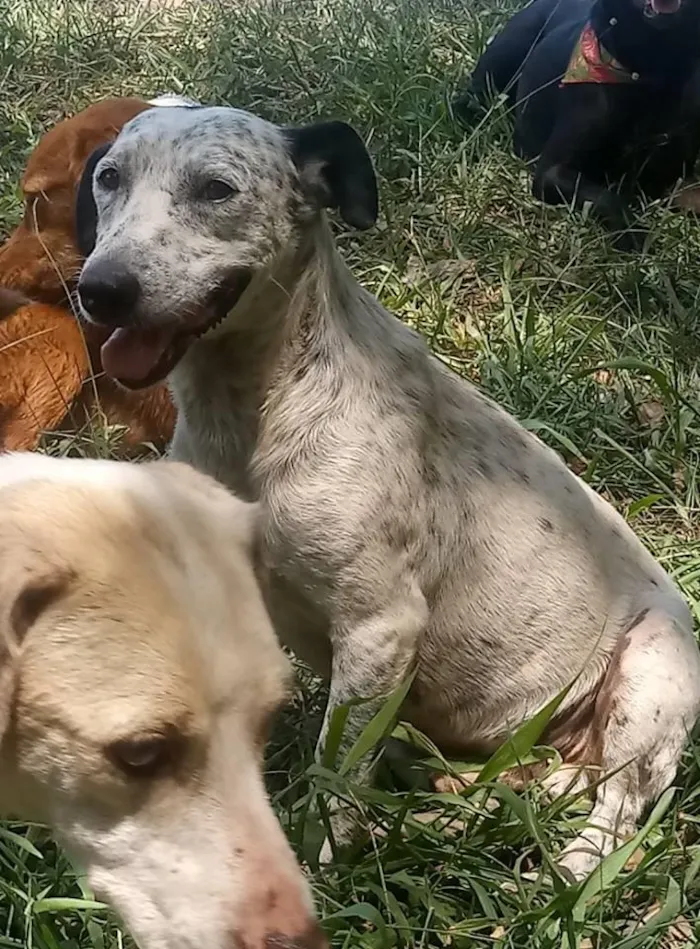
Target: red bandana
{"points": [[591, 62]]}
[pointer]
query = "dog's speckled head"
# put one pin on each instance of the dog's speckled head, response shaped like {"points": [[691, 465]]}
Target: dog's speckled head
{"points": [[186, 206]]}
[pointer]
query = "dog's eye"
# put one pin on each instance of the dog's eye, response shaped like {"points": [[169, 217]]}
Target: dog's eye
{"points": [[144, 756], [216, 190], [109, 179]]}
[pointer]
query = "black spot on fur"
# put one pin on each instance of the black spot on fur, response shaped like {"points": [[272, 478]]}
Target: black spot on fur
{"points": [[484, 468], [493, 645], [545, 524], [431, 475], [637, 620]]}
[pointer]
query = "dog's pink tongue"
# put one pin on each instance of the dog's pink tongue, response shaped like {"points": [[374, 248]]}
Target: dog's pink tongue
{"points": [[133, 354], [665, 6]]}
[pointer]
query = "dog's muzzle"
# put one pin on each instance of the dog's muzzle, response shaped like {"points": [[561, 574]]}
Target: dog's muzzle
{"points": [[141, 352]]}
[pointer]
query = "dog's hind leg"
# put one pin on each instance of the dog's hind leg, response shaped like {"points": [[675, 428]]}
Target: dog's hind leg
{"points": [[648, 704]]}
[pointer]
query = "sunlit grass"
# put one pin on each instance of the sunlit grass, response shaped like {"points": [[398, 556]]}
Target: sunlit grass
{"points": [[595, 351]]}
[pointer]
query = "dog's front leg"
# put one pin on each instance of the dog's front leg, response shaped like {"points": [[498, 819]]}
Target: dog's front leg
{"points": [[587, 124], [674, 159], [374, 648]]}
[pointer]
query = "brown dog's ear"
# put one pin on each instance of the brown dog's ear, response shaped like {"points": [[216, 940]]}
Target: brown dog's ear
{"points": [[85, 207], [29, 583], [336, 171]]}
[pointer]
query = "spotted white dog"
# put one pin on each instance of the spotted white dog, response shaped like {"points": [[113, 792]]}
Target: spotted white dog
{"points": [[408, 520]]}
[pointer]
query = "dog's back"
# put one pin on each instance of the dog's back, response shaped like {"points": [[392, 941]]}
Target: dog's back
{"points": [[532, 561], [537, 93], [501, 65]]}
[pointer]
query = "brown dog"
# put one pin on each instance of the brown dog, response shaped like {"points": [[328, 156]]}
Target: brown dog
{"points": [[50, 369]]}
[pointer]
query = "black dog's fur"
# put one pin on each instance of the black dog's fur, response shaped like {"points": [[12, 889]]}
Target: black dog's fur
{"points": [[599, 143]]}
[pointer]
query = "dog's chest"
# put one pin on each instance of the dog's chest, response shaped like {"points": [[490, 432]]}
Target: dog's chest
{"points": [[222, 431], [217, 423], [655, 117], [648, 120], [307, 537]]}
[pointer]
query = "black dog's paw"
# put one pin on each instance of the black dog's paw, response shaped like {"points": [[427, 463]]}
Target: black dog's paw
{"points": [[467, 107], [614, 211], [630, 240]]}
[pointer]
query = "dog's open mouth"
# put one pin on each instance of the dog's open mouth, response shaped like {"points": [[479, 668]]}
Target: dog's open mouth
{"points": [[664, 7], [138, 358]]}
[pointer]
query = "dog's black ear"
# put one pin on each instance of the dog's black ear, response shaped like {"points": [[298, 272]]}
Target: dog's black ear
{"points": [[336, 170], [85, 207]]}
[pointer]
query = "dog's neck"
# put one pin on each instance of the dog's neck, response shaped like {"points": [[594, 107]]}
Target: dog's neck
{"points": [[291, 320]]}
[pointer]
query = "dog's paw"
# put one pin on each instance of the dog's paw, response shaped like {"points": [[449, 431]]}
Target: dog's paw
{"points": [[585, 853], [631, 240], [453, 784], [325, 856], [347, 829], [578, 861], [466, 108], [566, 780], [582, 857]]}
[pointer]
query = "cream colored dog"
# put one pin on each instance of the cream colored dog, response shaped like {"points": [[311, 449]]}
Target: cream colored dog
{"points": [[138, 673]]}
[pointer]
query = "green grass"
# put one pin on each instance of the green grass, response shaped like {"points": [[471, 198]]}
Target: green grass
{"points": [[596, 351]]}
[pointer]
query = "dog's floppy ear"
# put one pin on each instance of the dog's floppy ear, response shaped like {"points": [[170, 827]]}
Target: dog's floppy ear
{"points": [[336, 171], [85, 207], [29, 583]]}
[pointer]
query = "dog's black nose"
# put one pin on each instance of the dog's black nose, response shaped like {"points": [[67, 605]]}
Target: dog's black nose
{"points": [[108, 293]]}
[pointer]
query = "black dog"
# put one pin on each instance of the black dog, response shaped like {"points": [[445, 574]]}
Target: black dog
{"points": [[606, 96]]}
